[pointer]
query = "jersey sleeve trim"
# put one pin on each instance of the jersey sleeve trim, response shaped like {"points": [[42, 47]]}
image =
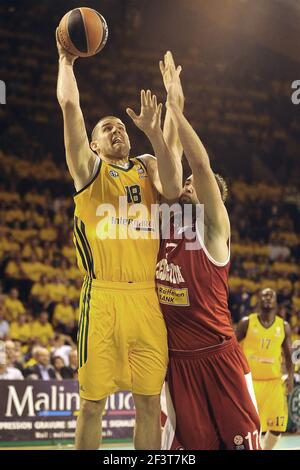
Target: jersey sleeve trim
{"points": [[211, 259], [97, 169], [140, 160]]}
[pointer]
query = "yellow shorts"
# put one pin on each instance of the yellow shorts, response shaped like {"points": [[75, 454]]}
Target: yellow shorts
{"points": [[122, 339], [272, 404]]}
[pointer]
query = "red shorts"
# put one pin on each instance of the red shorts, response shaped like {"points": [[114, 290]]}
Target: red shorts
{"points": [[210, 400]]}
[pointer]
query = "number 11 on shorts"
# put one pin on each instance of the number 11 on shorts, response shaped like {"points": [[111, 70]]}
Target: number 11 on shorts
{"points": [[252, 437]]}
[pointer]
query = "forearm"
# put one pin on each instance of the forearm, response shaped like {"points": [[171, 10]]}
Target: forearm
{"points": [[67, 90], [171, 137], [193, 148], [169, 167], [290, 367]]}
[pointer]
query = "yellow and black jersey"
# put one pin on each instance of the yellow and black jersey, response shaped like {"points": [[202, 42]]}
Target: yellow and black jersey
{"points": [[115, 234], [262, 347]]}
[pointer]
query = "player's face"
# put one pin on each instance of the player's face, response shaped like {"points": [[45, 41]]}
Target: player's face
{"points": [[189, 195], [268, 299], [112, 138]]}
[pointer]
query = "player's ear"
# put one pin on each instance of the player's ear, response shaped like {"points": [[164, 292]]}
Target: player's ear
{"points": [[94, 146]]}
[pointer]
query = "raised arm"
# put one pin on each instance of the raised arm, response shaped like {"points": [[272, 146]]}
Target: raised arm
{"points": [[171, 74], [207, 189], [79, 156], [162, 169]]}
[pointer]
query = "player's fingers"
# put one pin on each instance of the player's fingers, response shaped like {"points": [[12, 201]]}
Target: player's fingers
{"points": [[170, 58], [162, 67], [154, 102], [132, 114], [159, 110], [143, 98], [166, 58], [148, 98]]}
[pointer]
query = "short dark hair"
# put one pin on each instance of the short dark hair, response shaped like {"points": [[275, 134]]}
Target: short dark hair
{"points": [[93, 135], [221, 184]]}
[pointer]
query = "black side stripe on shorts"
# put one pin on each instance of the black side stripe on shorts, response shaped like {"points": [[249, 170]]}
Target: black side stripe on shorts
{"points": [[84, 324], [79, 335], [81, 306], [87, 321], [85, 247]]}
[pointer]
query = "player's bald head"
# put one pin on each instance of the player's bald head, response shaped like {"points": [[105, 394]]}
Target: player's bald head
{"points": [[102, 122]]}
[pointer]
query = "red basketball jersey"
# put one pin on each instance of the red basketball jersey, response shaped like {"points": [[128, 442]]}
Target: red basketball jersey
{"points": [[193, 291]]}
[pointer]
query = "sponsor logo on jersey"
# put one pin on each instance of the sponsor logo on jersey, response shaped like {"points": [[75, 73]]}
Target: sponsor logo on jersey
{"points": [[141, 172], [168, 272], [171, 296], [278, 331], [113, 173]]}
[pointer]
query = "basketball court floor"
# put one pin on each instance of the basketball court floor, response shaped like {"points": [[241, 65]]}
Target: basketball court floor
{"points": [[287, 442]]}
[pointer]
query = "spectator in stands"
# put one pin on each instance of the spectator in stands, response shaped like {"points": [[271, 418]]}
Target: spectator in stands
{"points": [[61, 370], [13, 305], [14, 359], [63, 345], [42, 331], [8, 372], [21, 330], [33, 355], [4, 325], [57, 289], [39, 294], [58, 365], [64, 316], [73, 361], [42, 370]]}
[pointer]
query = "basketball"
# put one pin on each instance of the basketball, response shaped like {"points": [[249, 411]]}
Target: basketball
{"points": [[83, 32]]}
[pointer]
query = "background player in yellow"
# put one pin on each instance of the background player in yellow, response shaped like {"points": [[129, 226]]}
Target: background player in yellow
{"points": [[122, 337], [264, 336]]}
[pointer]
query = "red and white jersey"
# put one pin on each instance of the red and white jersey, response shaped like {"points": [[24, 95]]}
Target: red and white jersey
{"points": [[193, 291]]}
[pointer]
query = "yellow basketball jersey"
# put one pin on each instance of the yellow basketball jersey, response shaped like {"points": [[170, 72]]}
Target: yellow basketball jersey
{"points": [[116, 239], [262, 347]]}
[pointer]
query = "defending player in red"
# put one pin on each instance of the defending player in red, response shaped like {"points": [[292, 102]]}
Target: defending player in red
{"points": [[210, 396]]}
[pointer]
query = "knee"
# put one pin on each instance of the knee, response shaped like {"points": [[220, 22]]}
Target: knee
{"points": [[92, 409]]}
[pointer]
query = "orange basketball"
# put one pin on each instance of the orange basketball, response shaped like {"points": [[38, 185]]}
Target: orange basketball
{"points": [[83, 32]]}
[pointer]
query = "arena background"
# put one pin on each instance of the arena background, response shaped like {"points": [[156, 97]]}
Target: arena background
{"points": [[239, 61]]}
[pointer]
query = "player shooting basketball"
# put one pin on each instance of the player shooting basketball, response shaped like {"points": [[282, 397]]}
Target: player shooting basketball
{"points": [[122, 337], [210, 399]]}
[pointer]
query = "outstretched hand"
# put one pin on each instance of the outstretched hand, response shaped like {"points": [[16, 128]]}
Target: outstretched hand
{"points": [[149, 120], [62, 52], [171, 79]]}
